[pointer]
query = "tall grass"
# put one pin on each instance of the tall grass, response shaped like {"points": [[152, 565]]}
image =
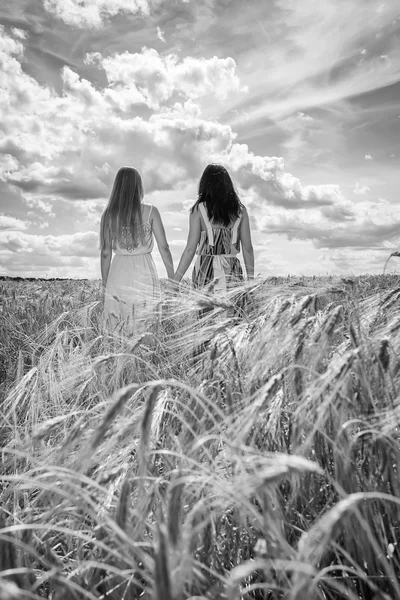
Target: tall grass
{"points": [[252, 453]]}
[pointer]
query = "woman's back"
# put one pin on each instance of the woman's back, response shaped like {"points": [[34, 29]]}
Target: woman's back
{"points": [[216, 238], [132, 288], [218, 226], [124, 244], [217, 252], [132, 285]]}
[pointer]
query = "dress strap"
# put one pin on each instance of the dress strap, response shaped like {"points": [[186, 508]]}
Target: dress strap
{"points": [[235, 230], [148, 216], [210, 233]]}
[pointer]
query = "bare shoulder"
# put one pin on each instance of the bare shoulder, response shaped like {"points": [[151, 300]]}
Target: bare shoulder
{"points": [[195, 217], [147, 208], [154, 212], [244, 215]]}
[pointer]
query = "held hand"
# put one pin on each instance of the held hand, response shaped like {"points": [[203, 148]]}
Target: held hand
{"points": [[172, 286]]}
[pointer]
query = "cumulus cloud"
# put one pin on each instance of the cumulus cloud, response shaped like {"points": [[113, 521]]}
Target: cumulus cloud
{"points": [[48, 266], [8, 165], [8, 48], [70, 182], [40, 206], [368, 157], [93, 13], [268, 178], [12, 224], [361, 189], [160, 34], [154, 79], [19, 33], [71, 145], [370, 226], [60, 256], [67, 147], [78, 244], [78, 140]]}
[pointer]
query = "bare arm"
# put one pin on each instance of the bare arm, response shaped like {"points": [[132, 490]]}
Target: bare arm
{"points": [[105, 258], [247, 246], [191, 245], [162, 243]]}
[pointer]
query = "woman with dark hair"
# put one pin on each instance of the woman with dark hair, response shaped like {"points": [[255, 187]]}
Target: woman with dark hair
{"points": [[219, 223], [127, 226]]}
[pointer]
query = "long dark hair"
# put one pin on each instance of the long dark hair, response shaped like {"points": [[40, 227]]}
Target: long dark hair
{"points": [[124, 207], [217, 192]]}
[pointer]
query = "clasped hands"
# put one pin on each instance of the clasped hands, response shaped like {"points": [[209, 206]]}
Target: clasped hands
{"points": [[172, 286]]}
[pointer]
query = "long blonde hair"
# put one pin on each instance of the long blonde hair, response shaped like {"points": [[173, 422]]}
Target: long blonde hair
{"points": [[123, 211]]}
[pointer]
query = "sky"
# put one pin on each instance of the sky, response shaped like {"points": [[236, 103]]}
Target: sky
{"points": [[299, 100]]}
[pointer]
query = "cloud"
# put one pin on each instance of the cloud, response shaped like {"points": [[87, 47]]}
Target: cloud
{"points": [[42, 206], [71, 145], [94, 13], [48, 266], [154, 79], [12, 224], [8, 48], [268, 178], [8, 165], [302, 70], [159, 113], [69, 182], [313, 140], [356, 262], [78, 244], [371, 226], [368, 157], [361, 189], [78, 140], [19, 33], [160, 34], [60, 256]]}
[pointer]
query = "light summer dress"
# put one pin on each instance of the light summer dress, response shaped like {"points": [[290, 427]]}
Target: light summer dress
{"points": [[217, 255], [133, 288]]}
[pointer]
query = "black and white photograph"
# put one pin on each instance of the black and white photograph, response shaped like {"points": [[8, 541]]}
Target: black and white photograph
{"points": [[199, 300]]}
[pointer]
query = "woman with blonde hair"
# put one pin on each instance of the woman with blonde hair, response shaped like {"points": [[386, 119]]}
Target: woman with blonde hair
{"points": [[218, 225], [130, 279]]}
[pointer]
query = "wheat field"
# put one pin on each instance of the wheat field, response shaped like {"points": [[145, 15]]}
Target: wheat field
{"points": [[250, 453]]}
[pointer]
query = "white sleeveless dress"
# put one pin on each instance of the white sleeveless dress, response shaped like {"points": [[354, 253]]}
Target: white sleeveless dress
{"points": [[133, 288]]}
